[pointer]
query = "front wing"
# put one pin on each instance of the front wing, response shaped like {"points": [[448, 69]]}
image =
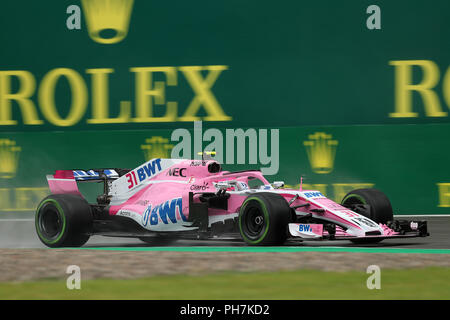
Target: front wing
{"points": [[393, 229]]}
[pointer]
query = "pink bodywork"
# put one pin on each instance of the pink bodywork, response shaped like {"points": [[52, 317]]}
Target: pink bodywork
{"points": [[171, 182], [62, 182], [197, 180]]}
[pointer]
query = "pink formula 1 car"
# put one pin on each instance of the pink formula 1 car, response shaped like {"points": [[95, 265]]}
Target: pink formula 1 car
{"points": [[167, 199]]}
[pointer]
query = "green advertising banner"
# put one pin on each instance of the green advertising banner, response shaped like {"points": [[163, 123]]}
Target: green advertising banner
{"points": [[124, 64], [405, 161], [359, 91]]}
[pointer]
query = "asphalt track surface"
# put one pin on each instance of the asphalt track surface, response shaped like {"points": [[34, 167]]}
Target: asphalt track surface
{"points": [[20, 233]]}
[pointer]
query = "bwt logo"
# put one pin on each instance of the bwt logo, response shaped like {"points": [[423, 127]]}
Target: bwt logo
{"points": [[106, 20], [304, 228], [146, 171], [165, 211], [315, 194]]}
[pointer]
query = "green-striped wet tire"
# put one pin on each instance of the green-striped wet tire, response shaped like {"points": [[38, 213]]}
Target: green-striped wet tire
{"points": [[380, 209], [63, 220], [380, 206], [263, 219]]}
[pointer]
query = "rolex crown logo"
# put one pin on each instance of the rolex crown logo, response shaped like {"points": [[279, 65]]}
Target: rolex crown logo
{"points": [[107, 20], [156, 147], [321, 151], [9, 158]]}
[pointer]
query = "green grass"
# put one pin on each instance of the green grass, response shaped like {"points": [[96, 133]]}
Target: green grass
{"points": [[427, 283]]}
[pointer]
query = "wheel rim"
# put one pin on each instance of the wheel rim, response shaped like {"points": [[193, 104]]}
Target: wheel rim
{"points": [[352, 200], [254, 221], [50, 222]]}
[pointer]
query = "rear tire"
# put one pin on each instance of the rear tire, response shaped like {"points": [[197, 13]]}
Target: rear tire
{"points": [[380, 208], [263, 219], [63, 220]]}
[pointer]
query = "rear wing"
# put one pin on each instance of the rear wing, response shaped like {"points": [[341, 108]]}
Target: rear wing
{"points": [[65, 181], [90, 175], [95, 175]]}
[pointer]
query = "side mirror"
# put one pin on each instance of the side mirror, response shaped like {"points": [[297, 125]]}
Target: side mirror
{"points": [[224, 185]]}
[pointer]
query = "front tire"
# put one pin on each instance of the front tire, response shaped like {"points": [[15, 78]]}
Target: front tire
{"points": [[263, 219], [63, 220], [379, 208]]}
